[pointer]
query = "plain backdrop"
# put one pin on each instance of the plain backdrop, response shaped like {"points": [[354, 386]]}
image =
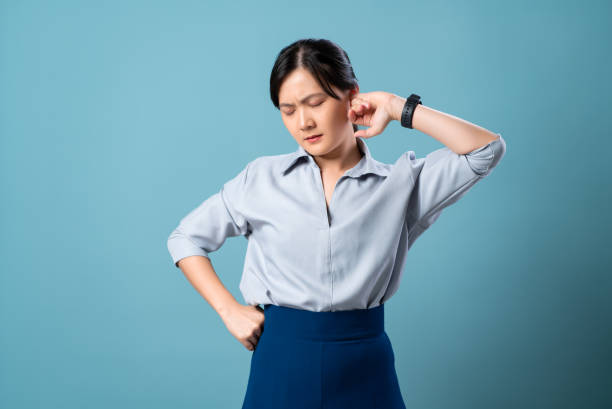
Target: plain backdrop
{"points": [[119, 117]]}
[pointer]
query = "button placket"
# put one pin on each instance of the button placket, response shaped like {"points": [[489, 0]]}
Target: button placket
{"points": [[327, 212], [324, 213]]}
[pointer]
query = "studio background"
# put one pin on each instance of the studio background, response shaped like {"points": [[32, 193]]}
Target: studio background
{"points": [[118, 118]]}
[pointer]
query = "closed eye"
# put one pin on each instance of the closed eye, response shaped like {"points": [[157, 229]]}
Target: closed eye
{"points": [[315, 105]]}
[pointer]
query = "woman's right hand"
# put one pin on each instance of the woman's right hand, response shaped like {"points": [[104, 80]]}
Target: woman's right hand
{"points": [[245, 323]]}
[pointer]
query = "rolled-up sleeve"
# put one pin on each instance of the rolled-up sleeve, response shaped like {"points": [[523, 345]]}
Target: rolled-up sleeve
{"points": [[443, 177], [206, 227]]}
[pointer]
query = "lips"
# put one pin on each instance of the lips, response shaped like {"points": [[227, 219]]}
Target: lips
{"points": [[313, 136]]}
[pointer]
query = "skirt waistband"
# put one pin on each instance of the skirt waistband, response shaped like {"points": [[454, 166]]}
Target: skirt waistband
{"points": [[282, 321]]}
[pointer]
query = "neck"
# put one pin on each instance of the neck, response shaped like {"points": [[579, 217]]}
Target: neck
{"points": [[342, 158]]}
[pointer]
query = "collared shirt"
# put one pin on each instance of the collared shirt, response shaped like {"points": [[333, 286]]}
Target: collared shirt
{"points": [[301, 253]]}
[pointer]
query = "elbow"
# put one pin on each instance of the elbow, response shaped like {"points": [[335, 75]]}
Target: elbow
{"points": [[181, 246], [484, 159], [498, 146]]}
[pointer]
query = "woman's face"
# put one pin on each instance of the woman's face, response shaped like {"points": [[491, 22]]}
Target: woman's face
{"points": [[307, 110]]}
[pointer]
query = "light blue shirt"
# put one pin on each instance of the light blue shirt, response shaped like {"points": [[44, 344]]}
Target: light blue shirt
{"points": [[302, 256]]}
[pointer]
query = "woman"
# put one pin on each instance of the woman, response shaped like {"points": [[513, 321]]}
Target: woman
{"points": [[328, 228]]}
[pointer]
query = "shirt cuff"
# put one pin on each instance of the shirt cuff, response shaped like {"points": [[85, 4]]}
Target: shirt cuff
{"points": [[482, 160], [180, 247]]}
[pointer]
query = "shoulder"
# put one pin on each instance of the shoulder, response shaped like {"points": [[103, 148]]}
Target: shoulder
{"points": [[382, 167], [407, 165], [406, 159]]}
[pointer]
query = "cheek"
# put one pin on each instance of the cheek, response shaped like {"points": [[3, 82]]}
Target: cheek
{"points": [[288, 123], [291, 127], [337, 115]]}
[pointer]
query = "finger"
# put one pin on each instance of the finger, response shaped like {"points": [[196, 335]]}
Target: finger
{"points": [[356, 118], [253, 340], [369, 132], [357, 101], [372, 131], [362, 133], [361, 109], [360, 102], [358, 110]]}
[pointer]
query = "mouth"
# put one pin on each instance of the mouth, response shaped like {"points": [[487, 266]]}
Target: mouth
{"points": [[313, 137]]}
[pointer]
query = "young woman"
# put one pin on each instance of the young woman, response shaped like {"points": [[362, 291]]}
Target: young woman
{"points": [[328, 229]]}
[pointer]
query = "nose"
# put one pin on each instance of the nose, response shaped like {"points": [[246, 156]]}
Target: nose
{"points": [[305, 121]]}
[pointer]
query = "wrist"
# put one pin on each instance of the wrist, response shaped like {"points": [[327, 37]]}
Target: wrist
{"points": [[395, 107], [226, 307]]}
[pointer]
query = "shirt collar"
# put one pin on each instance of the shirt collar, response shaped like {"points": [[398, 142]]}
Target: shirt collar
{"points": [[367, 164]]}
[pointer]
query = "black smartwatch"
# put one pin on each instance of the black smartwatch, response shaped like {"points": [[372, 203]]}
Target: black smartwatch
{"points": [[411, 103]]}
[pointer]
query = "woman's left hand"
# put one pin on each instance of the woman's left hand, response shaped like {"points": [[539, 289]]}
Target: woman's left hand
{"points": [[372, 109]]}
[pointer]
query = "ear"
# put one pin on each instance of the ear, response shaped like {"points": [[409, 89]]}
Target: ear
{"points": [[352, 93]]}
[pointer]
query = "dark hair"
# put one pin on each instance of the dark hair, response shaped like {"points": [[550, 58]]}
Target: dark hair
{"points": [[325, 60]]}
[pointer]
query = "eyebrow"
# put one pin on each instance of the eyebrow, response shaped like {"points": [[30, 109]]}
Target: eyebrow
{"points": [[303, 99]]}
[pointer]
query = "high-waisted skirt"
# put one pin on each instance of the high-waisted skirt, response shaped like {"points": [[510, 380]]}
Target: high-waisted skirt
{"points": [[323, 360]]}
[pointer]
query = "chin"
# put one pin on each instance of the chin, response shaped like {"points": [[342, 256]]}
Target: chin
{"points": [[316, 149]]}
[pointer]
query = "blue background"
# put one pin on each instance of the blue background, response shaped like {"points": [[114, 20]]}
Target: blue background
{"points": [[118, 118]]}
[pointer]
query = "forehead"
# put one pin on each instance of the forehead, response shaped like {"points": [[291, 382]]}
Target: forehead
{"points": [[298, 84]]}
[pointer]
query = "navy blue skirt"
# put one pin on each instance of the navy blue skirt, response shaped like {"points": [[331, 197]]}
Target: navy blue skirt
{"points": [[323, 360]]}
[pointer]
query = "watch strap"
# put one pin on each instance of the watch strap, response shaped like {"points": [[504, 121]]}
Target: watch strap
{"points": [[411, 102]]}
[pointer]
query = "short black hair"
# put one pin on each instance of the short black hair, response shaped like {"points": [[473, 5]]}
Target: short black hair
{"points": [[325, 60]]}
